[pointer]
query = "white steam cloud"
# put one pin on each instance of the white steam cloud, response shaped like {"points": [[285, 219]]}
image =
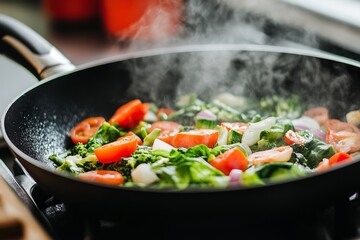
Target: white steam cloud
{"points": [[248, 73]]}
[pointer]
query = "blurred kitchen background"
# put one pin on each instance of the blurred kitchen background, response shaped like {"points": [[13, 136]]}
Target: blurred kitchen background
{"points": [[87, 30]]}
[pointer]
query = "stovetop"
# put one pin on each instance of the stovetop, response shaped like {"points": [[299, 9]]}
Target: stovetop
{"points": [[340, 221]]}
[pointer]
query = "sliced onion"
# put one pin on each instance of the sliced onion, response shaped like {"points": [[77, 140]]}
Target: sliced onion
{"points": [[223, 135], [280, 154], [307, 122], [319, 134], [252, 133], [235, 177], [161, 145], [143, 174], [246, 147], [300, 127], [150, 117], [206, 114]]}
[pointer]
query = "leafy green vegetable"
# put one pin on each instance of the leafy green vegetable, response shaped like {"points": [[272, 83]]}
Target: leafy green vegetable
{"points": [[223, 148], [273, 172], [298, 158], [275, 136], [205, 124], [105, 134], [198, 151], [234, 137], [314, 151], [185, 171]]}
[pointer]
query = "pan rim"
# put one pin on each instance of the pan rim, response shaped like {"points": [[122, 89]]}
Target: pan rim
{"points": [[173, 50]]}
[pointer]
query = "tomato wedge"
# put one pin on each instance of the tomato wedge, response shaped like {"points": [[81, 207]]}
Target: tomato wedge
{"points": [[336, 158], [168, 130], [132, 134], [192, 138], [103, 176], [114, 151], [229, 160], [292, 137], [339, 157], [236, 126], [146, 106], [129, 115], [85, 129], [343, 141], [280, 154]]}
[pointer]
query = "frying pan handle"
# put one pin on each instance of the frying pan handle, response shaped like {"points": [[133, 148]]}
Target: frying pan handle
{"points": [[23, 45]]}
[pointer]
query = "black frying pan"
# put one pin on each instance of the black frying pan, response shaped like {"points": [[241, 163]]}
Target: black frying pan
{"points": [[37, 123]]}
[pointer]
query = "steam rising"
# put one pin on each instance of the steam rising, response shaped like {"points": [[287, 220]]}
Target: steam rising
{"points": [[253, 74]]}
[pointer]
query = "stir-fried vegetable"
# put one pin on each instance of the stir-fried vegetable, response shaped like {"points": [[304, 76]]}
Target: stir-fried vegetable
{"points": [[230, 141], [84, 130]]}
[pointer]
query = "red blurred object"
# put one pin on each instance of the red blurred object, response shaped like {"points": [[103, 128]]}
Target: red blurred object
{"points": [[142, 19], [71, 10]]}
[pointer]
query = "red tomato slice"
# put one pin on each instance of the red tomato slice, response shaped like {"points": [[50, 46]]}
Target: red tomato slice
{"points": [[146, 106], [168, 130], [131, 134], [114, 151], [336, 158], [280, 154], [192, 138], [231, 159], [129, 115], [343, 141], [292, 137], [103, 176], [339, 157], [236, 126], [85, 129], [336, 125]]}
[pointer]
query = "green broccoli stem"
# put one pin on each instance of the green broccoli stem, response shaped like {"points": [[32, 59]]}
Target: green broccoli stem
{"points": [[150, 138]]}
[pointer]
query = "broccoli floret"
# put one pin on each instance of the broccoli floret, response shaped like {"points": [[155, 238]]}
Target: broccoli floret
{"points": [[90, 163], [79, 149], [70, 166]]}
